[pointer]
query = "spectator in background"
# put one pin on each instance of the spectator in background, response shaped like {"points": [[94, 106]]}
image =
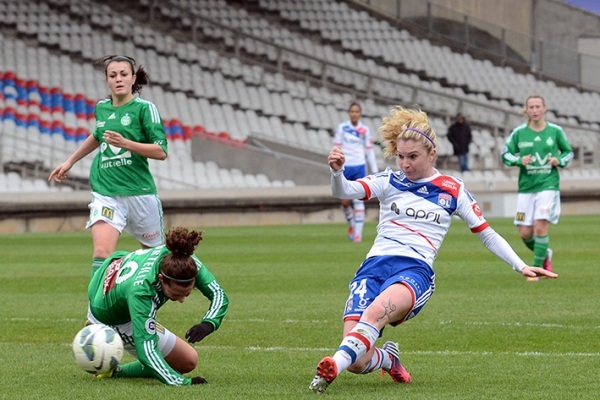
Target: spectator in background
{"points": [[538, 148], [354, 138], [459, 134], [128, 131]]}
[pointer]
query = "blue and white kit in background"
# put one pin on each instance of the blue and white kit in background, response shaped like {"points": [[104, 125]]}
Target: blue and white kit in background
{"points": [[357, 144], [414, 217]]}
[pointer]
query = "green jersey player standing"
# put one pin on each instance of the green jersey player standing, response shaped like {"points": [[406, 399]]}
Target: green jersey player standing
{"points": [[128, 289], [538, 148], [128, 131]]}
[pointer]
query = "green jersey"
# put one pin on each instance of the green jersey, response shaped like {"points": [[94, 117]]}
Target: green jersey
{"points": [[116, 171], [128, 290], [538, 175]]}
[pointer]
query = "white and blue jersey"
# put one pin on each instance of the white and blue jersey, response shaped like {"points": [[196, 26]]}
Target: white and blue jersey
{"points": [[414, 218], [357, 144]]}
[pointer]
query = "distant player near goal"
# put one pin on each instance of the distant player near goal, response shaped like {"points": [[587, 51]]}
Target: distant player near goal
{"points": [[538, 148], [354, 138]]}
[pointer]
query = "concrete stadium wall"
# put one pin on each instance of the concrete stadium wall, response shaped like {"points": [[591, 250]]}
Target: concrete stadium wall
{"points": [[262, 156]]}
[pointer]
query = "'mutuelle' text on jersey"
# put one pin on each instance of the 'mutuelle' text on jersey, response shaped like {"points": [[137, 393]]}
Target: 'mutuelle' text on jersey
{"points": [[116, 171]]}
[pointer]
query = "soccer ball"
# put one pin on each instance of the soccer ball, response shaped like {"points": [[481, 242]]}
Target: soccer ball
{"points": [[97, 349]]}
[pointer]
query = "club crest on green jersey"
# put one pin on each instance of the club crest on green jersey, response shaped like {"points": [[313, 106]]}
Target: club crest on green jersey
{"points": [[125, 119]]}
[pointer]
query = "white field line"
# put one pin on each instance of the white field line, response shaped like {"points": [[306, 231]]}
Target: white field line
{"points": [[329, 350], [296, 321], [320, 350], [422, 353]]}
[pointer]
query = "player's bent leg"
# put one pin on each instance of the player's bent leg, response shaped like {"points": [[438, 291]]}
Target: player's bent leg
{"points": [[183, 358], [390, 306]]}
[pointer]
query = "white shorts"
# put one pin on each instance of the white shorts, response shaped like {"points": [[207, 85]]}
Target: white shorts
{"points": [[139, 216], [543, 205], [166, 338]]}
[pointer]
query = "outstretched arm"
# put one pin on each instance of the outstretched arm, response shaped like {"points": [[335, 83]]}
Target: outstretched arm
{"points": [[219, 304], [61, 172], [500, 247]]}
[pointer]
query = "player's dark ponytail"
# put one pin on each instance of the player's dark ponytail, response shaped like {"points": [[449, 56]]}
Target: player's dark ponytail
{"points": [[179, 266]]}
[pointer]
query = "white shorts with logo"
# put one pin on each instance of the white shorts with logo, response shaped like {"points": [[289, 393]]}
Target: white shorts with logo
{"points": [[166, 338], [543, 205], [139, 216]]}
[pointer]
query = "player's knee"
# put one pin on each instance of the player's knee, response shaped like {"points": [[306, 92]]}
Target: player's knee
{"points": [[102, 251], [189, 363]]}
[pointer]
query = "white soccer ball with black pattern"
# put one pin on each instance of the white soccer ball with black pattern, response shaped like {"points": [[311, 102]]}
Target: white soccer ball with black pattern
{"points": [[97, 349]]}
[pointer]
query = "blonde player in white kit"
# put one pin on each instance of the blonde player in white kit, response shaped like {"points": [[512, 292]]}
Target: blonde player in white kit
{"points": [[396, 280], [355, 140]]}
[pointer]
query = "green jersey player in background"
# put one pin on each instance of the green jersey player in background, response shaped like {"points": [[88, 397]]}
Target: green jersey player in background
{"points": [[128, 131], [538, 148], [128, 289]]}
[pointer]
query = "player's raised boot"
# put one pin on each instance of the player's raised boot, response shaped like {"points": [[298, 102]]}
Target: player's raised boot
{"points": [[548, 261], [326, 373], [350, 233], [397, 371]]}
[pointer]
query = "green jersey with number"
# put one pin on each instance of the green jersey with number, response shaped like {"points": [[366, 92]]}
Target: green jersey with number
{"points": [[128, 290], [538, 175], [116, 171]]}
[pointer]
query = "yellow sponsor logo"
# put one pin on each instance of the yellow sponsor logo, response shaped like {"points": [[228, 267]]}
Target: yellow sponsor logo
{"points": [[520, 216], [108, 212]]}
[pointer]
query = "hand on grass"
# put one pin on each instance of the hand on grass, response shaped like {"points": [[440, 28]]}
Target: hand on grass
{"points": [[537, 271], [199, 331]]}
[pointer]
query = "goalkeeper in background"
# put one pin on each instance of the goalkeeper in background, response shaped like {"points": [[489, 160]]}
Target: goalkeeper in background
{"points": [[538, 148], [128, 289]]}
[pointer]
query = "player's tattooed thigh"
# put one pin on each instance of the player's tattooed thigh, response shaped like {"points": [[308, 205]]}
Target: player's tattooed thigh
{"points": [[388, 309]]}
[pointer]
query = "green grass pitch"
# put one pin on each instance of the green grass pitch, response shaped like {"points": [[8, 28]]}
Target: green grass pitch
{"points": [[485, 334]]}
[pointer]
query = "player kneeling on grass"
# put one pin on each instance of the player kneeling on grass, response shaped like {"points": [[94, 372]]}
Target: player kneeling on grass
{"points": [[129, 288], [393, 284]]}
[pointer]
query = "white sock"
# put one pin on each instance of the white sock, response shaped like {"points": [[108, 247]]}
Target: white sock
{"points": [[355, 344], [349, 214], [359, 217], [380, 360]]}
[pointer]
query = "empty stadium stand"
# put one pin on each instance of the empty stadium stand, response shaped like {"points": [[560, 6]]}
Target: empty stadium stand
{"points": [[241, 81]]}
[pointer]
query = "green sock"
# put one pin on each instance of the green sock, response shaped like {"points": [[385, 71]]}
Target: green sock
{"points": [[540, 250], [97, 263], [134, 369], [529, 242]]}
